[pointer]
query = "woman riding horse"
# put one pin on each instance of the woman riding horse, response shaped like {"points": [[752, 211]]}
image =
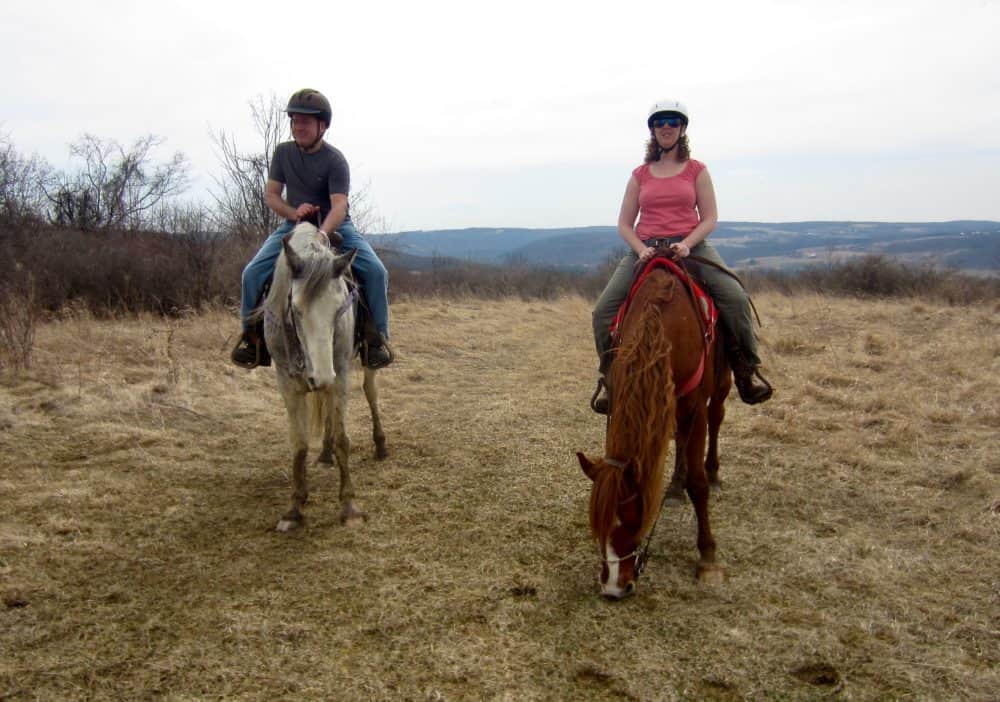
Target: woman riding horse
{"points": [[673, 198]]}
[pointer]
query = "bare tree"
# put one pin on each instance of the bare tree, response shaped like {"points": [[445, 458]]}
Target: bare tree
{"points": [[240, 200], [364, 214], [22, 196], [116, 188]]}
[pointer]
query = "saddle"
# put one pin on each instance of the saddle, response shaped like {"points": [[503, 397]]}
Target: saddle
{"points": [[702, 301], [366, 334], [709, 314]]}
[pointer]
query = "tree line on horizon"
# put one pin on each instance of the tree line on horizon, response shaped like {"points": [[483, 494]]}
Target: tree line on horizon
{"points": [[114, 237]]}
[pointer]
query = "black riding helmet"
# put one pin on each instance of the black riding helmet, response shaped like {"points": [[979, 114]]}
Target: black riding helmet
{"points": [[310, 102]]}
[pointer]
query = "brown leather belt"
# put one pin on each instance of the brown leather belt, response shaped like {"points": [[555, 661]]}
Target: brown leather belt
{"points": [[663, 240]]}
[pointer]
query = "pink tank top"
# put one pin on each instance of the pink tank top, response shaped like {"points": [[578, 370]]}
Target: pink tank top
{"points": [[667, 206]]}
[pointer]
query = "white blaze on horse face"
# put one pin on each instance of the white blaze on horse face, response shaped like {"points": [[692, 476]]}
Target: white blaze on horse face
{"points": [[610, 588]]}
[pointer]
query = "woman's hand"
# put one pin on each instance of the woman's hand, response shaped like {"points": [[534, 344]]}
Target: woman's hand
{"points": [[647, 253], [680, 249]]}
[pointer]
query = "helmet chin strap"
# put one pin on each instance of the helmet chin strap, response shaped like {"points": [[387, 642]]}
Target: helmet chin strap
{"points": [[672, 146]]}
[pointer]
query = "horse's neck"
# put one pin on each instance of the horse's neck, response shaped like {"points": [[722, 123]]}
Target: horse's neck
{"points": [[643, 401]]}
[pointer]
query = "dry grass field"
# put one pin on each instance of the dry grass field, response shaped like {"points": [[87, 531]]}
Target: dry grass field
{"points": [[141, 477]]}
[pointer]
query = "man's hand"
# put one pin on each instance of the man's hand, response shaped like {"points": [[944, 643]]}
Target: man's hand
{"points": [[305, 211]]}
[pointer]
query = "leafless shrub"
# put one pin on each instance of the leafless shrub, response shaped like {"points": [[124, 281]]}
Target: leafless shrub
{"points": [[18, 315], [454, 279], [880, 277], [22, 198], [116, 188], [113, 273]]}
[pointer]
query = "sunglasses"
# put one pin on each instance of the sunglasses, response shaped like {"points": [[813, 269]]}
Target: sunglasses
{"points": [[672, 120]]}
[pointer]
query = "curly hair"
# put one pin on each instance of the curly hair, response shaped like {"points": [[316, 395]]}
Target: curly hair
{"points": [[653, 149]]}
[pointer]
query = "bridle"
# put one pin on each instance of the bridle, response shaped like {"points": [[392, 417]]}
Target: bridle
{"points": [[641, 552], [294, 339]]}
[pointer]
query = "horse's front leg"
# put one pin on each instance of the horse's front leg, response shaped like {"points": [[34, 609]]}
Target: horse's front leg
{"points": [[697, 488], [350, 515], [298, 433], [371, 394]]}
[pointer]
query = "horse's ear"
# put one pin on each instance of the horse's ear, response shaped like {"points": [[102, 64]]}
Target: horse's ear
{"points": [[342, 263], [335, 239], [586, 465], [294, 262]]}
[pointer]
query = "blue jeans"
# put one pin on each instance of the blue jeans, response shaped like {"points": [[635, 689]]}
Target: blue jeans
{"points": [[367, 267]]}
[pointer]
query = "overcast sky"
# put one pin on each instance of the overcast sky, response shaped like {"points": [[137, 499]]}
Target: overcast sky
{"points": [[460, 114]]}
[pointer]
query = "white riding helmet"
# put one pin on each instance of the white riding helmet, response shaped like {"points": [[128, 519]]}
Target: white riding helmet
{"points": [[667, 105]]}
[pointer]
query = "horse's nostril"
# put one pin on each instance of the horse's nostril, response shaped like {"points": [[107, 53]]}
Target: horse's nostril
{"points": [[630, 588]]}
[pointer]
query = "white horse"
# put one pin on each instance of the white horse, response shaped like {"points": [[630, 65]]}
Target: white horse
{"points": [[309, 328]]}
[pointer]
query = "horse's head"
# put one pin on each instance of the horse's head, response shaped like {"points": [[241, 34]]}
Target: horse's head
{"points": [[317, 297], [617, 523]]}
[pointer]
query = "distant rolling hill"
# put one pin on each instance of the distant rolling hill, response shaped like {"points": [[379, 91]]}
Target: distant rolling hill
{"points": [[970, 246]]}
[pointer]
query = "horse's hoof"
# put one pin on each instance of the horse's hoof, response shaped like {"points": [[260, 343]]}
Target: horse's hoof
{"points": [[285, 525], [351, 518], [381, 452], [675, 494], [711, 574], [325, 457]]}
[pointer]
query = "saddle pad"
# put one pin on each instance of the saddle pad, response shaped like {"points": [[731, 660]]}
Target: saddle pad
{"points": [[704, 303]]}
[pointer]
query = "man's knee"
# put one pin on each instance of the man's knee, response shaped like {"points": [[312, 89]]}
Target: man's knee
{"points": [[373, 273]]}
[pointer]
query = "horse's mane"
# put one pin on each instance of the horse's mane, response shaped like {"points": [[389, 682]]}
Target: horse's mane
{"points": [[317, 259], [643, 403]]}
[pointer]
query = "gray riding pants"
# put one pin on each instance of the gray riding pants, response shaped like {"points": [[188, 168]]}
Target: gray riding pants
{"points": [[729, 296]]}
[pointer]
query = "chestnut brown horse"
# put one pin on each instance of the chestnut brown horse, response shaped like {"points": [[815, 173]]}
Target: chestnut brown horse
{"points": [[663, 345]]}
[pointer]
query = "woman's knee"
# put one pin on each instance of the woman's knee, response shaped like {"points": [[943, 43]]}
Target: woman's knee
{"points": [[727, 292]]}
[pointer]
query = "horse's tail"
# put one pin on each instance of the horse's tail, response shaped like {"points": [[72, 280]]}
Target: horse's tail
{"points": [[644, 405], [319, 406]]}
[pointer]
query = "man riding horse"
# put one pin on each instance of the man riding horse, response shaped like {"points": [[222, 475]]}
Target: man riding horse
{"points": [[315, 178]]}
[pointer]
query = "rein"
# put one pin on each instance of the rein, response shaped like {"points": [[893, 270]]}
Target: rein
{"points": [[641, 552], [713, 264], [290, 329]]}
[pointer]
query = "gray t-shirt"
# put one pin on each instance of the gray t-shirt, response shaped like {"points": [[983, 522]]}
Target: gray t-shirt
{"points": [[311, 178]]}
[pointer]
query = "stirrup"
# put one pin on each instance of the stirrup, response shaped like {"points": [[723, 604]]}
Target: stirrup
{"points": [[762, 396], [375, 364], [601, 405], [241, 354]]}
